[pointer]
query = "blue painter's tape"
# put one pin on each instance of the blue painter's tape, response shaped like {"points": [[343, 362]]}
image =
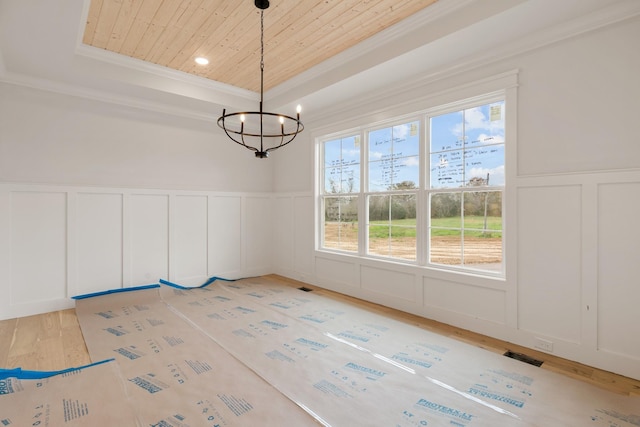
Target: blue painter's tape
{"points": [[115, 291], [37, 375], [10, 373], [205, 284]]}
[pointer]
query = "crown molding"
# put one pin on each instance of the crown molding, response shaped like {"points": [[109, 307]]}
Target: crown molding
{"points": [[396, 32], [566, 30], [103, 96], [557, 33], [105, 56]]}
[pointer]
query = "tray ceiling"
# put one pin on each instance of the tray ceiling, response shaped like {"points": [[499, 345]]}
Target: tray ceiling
{"points": [[298, 34]]}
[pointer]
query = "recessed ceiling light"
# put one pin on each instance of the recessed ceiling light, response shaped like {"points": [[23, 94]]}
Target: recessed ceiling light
{"points": [[201, 60]]}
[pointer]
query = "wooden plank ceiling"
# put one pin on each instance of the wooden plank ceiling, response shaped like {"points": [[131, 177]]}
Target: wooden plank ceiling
{"points": [[298, 33]]}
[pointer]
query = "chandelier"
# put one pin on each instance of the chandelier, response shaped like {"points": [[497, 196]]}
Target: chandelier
{"points": [[250, 128]]}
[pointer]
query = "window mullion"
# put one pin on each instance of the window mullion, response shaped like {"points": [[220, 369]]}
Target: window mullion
{"points": [[363, 202], [422, 199]]}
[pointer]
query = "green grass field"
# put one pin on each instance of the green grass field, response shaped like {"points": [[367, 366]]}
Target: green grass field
{"points": [[440, 227]]}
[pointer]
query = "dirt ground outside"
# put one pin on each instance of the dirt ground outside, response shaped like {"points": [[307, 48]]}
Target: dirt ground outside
{"points": [[446, 250]]}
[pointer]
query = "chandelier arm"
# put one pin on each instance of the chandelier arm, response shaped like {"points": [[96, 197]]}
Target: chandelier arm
{"points": [[221, 124], [248, 147], [293, 136]]}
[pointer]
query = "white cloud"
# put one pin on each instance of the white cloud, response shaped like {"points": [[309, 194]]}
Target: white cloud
{"points": [[351, 153], [401, 131], [475, 119], [411, 161], [457, 130]]}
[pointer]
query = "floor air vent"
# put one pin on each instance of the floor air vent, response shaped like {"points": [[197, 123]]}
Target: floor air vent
{"points": [[524, 358], [305, 289]]}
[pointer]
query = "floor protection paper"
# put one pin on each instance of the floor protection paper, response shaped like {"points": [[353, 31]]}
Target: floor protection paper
{"points": [[256, 352], [340, 382], [421, 376], [81, 397], [175, 374]]}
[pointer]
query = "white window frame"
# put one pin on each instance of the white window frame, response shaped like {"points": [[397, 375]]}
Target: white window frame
{"points": [[427, 190], [422, 196], [367, 192]]}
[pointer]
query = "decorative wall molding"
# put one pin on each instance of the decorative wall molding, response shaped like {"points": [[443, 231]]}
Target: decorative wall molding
{"points": [[61, 241], [577, 282]]}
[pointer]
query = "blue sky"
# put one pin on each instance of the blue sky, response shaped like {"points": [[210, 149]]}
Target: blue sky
{"points": [[393, 156], [473, 138], [464, 144]]}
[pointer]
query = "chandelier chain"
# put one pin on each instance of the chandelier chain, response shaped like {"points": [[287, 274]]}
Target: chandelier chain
{"points": [[262, 39]]}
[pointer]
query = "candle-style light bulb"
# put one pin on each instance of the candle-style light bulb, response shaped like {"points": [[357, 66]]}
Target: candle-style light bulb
{"points": [[298, 110]]}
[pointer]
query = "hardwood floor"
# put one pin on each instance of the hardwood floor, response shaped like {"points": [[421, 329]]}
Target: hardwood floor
{"points": [[54, 341], [45, 342]]}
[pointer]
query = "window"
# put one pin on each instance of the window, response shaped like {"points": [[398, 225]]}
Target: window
{"points": [[426, 190], [341, 189], [393, 166], [466, 177]]}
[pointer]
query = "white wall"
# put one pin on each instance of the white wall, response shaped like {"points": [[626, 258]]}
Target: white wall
{"points": [[572, 203], [96, 196], [47, 137]]}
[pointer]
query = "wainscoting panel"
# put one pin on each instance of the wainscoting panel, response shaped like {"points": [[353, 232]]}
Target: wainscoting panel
{"points": [[258, 234], [149, 238], [38, 262], [225, 229], [550, 260], [293, 235], [188, 239], [283, 237], [464, 300], [99, 242], [391, 284], [619, 269], [334, 272], [303, 233]]}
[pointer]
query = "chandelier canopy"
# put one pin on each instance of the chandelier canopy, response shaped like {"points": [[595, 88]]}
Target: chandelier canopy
{"points": [[261, 131]]}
